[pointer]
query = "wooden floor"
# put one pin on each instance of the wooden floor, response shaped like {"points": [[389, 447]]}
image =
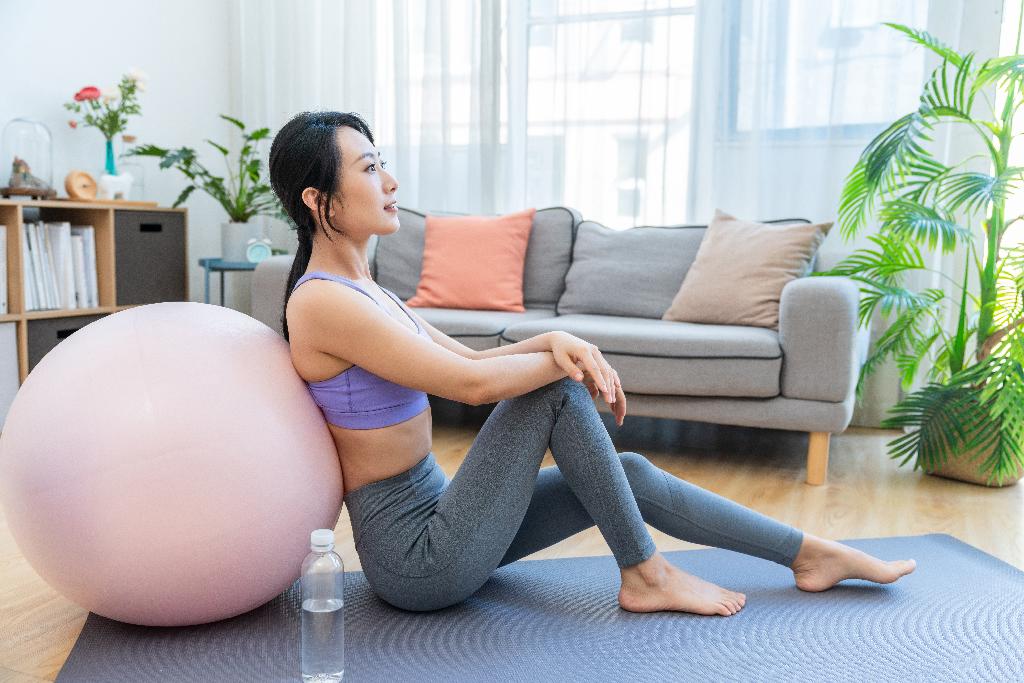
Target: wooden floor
{"points": [[866, 496]]}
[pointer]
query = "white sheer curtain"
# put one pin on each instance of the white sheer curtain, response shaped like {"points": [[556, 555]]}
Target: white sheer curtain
{"points": [[640, 112], [789, 93]]}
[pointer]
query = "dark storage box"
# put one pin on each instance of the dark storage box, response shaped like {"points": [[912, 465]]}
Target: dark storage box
{"points": [[149, 248], [46, 333]]}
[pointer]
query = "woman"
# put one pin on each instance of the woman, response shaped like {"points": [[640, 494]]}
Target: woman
{"points": [[425, 541]]}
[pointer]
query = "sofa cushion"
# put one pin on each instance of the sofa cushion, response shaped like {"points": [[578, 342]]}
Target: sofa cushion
{"points": [[740, 270], [664, 357], [398, 258], [631, 272], [479, 329], [474, 262]]}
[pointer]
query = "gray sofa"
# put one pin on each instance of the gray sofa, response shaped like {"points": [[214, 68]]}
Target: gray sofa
{"points": [[611, 287]]}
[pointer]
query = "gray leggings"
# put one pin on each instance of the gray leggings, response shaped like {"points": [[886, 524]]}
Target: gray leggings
{"points": [[427, 542]]}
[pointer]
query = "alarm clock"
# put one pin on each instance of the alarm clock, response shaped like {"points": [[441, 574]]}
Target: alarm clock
{"points": [[80, 185], [257, 249]]}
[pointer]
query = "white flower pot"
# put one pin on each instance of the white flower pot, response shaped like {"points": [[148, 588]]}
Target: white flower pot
{"points": [[114, 186], [234, 237]]}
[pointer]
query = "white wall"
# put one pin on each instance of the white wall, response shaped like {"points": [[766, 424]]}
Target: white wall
{"points": [[50, 49]]}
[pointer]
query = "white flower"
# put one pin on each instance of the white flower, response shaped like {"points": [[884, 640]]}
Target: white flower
{"points": [[137, 75], [110, 93]]}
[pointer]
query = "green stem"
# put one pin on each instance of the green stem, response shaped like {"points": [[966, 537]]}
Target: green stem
{"points": [[994, 226], [239, 204]]}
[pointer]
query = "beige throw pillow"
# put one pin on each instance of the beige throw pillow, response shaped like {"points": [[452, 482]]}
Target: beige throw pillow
{"points": [[740, 270]]}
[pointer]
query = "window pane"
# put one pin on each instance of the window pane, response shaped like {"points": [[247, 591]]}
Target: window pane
{"points": [[588, 82], [833, 63]]}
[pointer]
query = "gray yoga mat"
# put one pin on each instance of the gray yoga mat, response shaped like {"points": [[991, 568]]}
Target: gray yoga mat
{"points": [[958, 617]]}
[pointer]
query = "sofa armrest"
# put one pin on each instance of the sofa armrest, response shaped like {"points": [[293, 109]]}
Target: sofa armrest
{"points": [[822, 349], [267, 287]]}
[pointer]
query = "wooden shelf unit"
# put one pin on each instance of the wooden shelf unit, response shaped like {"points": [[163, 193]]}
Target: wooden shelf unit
{"points": [[126, 236]]}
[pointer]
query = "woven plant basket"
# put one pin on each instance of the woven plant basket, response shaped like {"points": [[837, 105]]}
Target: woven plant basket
{"points": [[964, 466]]}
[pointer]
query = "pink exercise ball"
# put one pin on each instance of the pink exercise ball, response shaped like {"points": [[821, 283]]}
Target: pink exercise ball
{"points": [[165, 465]]}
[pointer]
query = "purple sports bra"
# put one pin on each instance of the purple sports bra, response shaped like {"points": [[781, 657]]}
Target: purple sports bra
{"points": [[358, 399]]}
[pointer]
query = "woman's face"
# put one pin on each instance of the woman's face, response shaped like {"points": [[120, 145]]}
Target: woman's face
{"points": [[366, 189]]}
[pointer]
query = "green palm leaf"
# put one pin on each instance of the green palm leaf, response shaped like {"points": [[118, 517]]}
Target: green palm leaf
{"points": [[1010, 287], [886, 264], [974, 191], [1001, 377], [894, 148], [887, 298], [940, 99], [940, 416], [1010, 68], [907, 218], [1004, 380], [929, 41], [905, 331], [885, 162], [856, 201], [922, 177], [940, 370], [909, 363]]}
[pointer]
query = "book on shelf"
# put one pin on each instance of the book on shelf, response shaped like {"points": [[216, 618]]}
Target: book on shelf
{"points": [[34, 265], [26, 271], [59, 266], [87, 271], [50, 264], [4, 308]]}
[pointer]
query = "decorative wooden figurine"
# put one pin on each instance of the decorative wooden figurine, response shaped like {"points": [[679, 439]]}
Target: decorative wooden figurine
{"points": [[22, 182]]}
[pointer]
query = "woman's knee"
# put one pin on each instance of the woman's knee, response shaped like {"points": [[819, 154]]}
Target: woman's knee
{"points": [[560, 388], [567, 386], [640, 472]]}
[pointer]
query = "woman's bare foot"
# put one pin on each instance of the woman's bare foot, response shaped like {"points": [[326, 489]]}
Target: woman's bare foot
{"points": [[822, 563], [655, 585]]}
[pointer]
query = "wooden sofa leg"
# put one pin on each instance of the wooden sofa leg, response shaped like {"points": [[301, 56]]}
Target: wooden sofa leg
{"points": [[817, 457]]}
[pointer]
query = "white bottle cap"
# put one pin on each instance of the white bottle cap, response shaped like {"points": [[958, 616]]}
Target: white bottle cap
{"points": [[322, 539]]}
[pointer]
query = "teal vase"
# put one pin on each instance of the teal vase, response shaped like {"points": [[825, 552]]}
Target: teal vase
{"points": [[110, 167]]}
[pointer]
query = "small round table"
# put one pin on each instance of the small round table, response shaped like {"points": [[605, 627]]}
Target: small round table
{"points": [[220, 265]]}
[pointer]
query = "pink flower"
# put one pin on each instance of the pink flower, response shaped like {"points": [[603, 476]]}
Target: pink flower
{"points": [[73, 123], [89, 92]]}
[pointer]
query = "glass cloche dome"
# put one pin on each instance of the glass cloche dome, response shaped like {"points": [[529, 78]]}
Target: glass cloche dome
{"points": [[26, 159]]}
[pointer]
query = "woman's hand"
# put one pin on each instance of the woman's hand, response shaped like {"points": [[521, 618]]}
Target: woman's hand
{"points": [[618, 405], [584, 362]]}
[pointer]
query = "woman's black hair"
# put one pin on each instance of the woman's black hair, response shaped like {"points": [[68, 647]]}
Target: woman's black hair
{"points": [[305, 153]]}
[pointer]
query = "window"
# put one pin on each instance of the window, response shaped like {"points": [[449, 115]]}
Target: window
{"points": [[819, 75], [593, 68]]}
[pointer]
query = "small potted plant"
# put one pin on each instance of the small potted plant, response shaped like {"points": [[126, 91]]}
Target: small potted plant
{"points": [[244, 195], [108, 110]]}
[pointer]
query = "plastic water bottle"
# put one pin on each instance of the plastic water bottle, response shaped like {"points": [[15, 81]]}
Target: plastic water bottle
{"points": [[323, 613]]}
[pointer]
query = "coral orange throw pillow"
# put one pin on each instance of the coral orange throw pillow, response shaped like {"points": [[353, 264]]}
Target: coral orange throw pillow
{"points": [[474, 262]]}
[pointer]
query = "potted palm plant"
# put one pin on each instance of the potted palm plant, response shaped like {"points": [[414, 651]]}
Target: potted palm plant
{"points": [[967, 421], [244, 195]]}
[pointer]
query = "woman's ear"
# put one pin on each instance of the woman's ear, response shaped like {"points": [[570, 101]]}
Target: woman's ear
{"points": [[309, 197]]}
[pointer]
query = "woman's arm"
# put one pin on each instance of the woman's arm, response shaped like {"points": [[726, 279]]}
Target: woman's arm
{"points": [[513, 375], [540, 342], [510, 370]]}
